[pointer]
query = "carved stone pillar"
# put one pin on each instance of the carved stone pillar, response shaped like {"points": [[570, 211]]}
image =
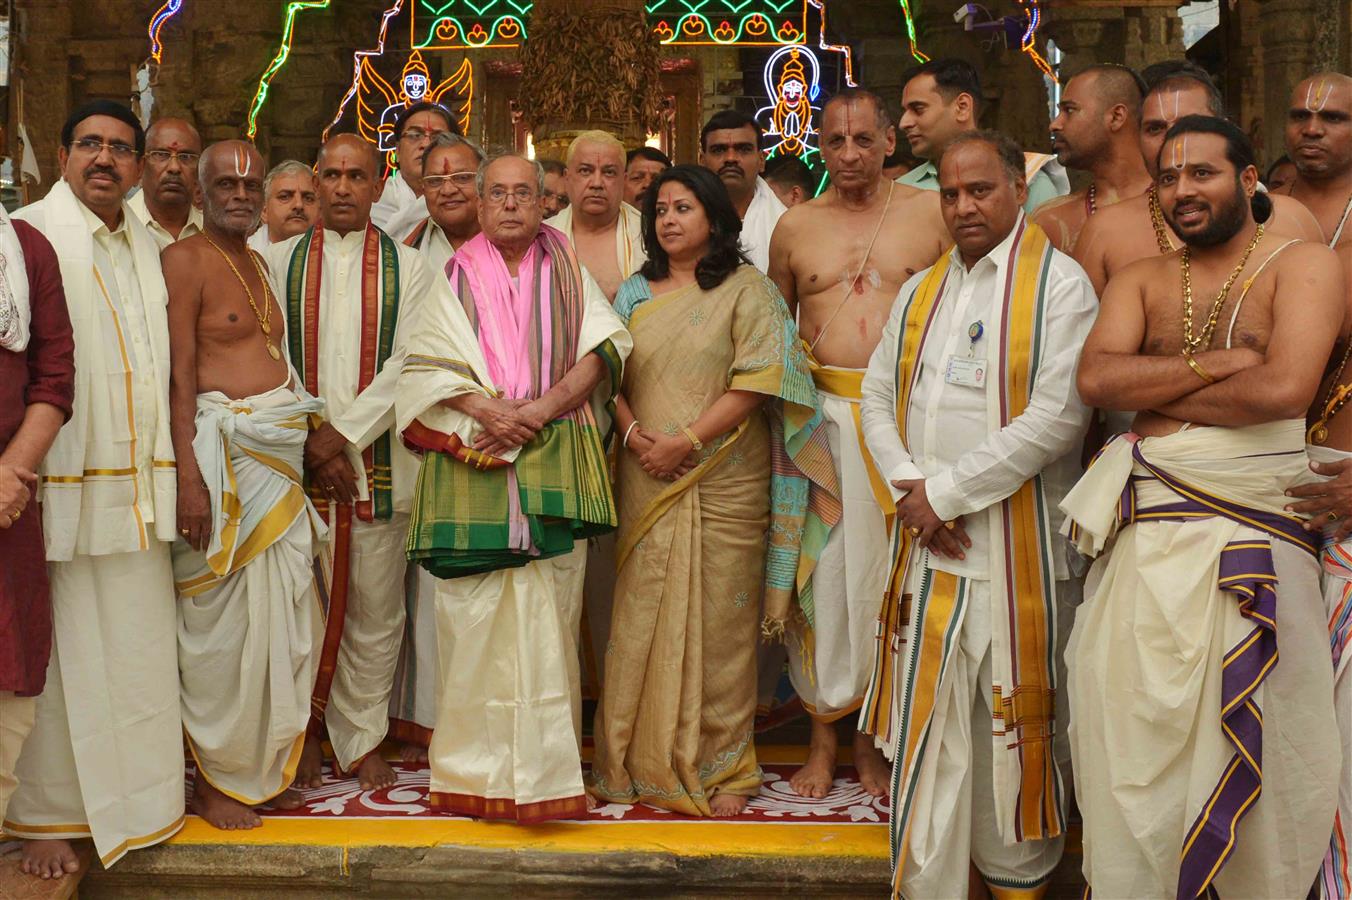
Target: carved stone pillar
{"points": [[1289, 30], [589, 64]]}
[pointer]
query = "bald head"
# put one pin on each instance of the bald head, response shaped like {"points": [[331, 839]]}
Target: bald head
{"points": [[1319, 128], [231, 175], [347, 182], [169, 178]]}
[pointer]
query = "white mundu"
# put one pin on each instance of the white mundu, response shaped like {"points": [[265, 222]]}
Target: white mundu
{"points": [[105, 758], [360, 325], [1205, 763], [967, 646], [1335, 876], [761, 218], [249, 619], [831, 672]]}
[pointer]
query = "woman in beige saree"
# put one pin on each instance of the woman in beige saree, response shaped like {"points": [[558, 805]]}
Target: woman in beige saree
{"points": [[716, 397]]}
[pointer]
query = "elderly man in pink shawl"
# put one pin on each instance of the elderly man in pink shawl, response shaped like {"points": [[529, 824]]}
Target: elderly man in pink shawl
{"points": [[507, 394]]}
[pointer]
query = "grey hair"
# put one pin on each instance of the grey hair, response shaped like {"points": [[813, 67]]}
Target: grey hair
{"points": [[484, 164], [451, 139], [1007, 150], [282, 169]]}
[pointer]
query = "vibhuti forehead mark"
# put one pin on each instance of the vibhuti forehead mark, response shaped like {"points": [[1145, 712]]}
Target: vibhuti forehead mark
{"points": [[1318, 93]]}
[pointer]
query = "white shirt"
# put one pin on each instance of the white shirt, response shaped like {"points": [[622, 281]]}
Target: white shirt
{"points": [[158, 231], [361, 418], [761, 218], [399, 209], [259, 241], [967, 467]]}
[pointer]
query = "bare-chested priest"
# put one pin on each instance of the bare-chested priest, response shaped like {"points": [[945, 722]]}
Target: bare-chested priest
{"points": [[351, 292], [840, 260], [1135, 229], [1205, 764], [1319, 142], [606, 232], [1097, 130], [249, 622]]}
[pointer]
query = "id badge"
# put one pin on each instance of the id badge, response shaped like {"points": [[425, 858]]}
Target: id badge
{"points": [[965, 371]]}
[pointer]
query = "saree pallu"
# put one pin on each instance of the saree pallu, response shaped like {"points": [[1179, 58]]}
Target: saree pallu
{"points": [[1205, 761], [1335, 877], [674, 726]]}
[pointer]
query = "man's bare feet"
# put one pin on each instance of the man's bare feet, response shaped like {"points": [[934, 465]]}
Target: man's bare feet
{"points": [[310, 770], [219, 810], [413, 754], [815, 777], [288, 799], [724, 805], [591, 801], [49, 859], [374, 773], [875, 775]]}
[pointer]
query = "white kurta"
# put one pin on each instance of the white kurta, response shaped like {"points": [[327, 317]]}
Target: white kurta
{"points": [[105, 758], [759, 224], [250, 624], [969, 467], [357, 713], [399, 209], [162, 237], [259, 242]]}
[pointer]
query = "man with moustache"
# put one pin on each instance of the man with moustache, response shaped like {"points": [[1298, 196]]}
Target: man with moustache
{"points": [[1096, 130], [1319, 142], [352, 294], [1135, 228], [1205, 765], [450, 169], [730, 146], [249, 620], [641, 166], [971, 413], [606, 232], [166, 203], [399, 206], [105, 757], [941, 99], [839, 261], [289, 204]]}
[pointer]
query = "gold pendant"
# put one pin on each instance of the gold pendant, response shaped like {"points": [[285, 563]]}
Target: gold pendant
{"points": [[1321, 434], [267, 329], [275, 353]]}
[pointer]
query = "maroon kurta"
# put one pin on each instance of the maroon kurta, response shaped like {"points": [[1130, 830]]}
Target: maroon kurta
{"points": [[44, 373]]}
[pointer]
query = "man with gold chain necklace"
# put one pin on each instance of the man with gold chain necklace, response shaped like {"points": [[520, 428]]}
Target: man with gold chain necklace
{"points": [[351, 293], [1135, 228], [1204, 764], [249, 622]]}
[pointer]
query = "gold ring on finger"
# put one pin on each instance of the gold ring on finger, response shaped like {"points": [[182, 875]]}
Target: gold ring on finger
{"points": [[1333, 516], [915, 532], [951, 525]]}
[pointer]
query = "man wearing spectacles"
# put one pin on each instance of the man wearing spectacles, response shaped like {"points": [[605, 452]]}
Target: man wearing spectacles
{"points": [[400, 206], [450, 168], [105, 757], [165, 204], [505, 392]]}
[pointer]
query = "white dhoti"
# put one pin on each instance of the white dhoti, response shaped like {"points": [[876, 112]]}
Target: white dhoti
{"points": [[105, 757], [953, 816], [1335, 877], [249, 617], [1201, 759], [508, 735], [831, 664], [361, 650], [417, 682], [16, 721]]}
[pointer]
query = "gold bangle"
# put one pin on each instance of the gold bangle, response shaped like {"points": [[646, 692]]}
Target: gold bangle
{"points": [[1201, 373], [695, 442]]}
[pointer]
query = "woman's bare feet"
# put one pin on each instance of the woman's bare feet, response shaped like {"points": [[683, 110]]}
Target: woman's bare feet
{"points": [[374, 773], [310, 769], [219, 810], [875, 775], [49, 859], [413, 754], [724, 805], [815, 777]]}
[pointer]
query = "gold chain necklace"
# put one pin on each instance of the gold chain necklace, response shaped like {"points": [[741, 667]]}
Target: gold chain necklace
{"points": [[262, 317], [1157, 219], [1190, 344], [1334, 399]]}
